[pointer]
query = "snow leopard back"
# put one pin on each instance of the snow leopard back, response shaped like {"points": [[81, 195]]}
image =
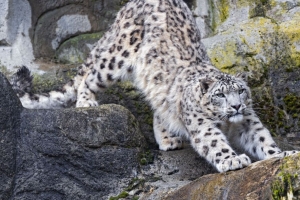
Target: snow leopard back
{"points": [[151, 42]]}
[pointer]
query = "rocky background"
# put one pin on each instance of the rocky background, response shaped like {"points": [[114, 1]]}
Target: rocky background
{"points": [[44, 156]]}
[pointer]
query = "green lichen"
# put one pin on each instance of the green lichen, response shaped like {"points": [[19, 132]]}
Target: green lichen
{"points": [[123, 194], [224, 10], [87, 36], [220, 12], [146, 158], [72, 50], [279, 119], [264, 106], [123, 2], [291, 30], [133, 184], [292, 104], [259, 9], [50, 81], [285, 185]]}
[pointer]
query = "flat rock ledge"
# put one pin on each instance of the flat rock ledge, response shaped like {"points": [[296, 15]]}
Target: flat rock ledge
{"points": [[270, 179]]}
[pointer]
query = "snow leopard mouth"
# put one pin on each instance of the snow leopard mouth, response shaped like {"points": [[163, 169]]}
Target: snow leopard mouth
{"points": [[236, 118]]}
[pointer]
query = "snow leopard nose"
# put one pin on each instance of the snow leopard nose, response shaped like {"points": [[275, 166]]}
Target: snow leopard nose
{"points": [[236, 107]]}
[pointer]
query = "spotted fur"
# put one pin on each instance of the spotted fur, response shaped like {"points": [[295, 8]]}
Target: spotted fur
{"points": [[156, 44]]}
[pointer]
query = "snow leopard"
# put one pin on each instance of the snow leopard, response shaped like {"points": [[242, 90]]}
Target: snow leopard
{"points": [[156, 44]]}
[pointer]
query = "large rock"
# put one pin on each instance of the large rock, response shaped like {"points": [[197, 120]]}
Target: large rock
{"points": [[71, 154], [66, 154], [171, 170], [10, 109], [15, 42], [56, 23], [270, 179]]}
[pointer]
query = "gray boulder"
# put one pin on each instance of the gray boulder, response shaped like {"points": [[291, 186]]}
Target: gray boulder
{"points": [[66, 154], [10, 109], [76, 154]]}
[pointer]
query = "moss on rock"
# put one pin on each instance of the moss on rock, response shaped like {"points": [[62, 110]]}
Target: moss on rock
{"points": [[286, 185], [291, 29], [75, 49]]}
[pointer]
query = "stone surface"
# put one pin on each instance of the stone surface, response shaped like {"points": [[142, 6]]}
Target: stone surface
{"points": [[270, 179], [57, 22], [10, 109], [171, 170], [15, 43], [92, 153], [75, 49], [51, 29], [72, 154], [66, 154]]}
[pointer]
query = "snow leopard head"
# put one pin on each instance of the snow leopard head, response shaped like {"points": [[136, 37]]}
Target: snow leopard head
{"points": [[226, 97]]}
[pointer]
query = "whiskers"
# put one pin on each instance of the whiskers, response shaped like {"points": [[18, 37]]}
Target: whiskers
{"points": [[224, 117]]}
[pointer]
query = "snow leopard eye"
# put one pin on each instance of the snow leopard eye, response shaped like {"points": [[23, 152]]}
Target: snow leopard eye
{"points": [[220, 95], [241, 91]]}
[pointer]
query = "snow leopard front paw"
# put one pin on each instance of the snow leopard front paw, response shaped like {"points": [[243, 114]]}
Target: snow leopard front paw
{"points": [[284, 154], [171, 143], [86, 103], [232, 163]]}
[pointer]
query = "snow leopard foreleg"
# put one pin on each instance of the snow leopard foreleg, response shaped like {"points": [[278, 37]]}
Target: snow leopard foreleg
{"points": [[211, 143], [257, 140]]}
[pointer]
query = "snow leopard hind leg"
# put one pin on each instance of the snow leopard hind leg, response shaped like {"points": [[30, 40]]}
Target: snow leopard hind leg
{"points": [[165, 139], [114, 57]]}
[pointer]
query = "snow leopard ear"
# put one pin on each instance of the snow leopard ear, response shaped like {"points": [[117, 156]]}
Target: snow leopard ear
{"points": [[206, 84], [243, 76]]}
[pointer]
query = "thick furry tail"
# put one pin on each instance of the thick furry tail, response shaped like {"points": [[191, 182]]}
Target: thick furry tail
{"points": [[22, 81], [22, 84]]}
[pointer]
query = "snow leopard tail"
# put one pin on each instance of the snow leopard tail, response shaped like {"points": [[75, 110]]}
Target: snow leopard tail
{"points": [[22, 84], [22, 81]]}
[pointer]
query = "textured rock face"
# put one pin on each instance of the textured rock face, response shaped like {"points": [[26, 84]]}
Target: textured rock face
{"points": [[10, 109], [88, 153], [270, 179], [31, 29], [66, 154], [65, 20], [16, 48]]}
